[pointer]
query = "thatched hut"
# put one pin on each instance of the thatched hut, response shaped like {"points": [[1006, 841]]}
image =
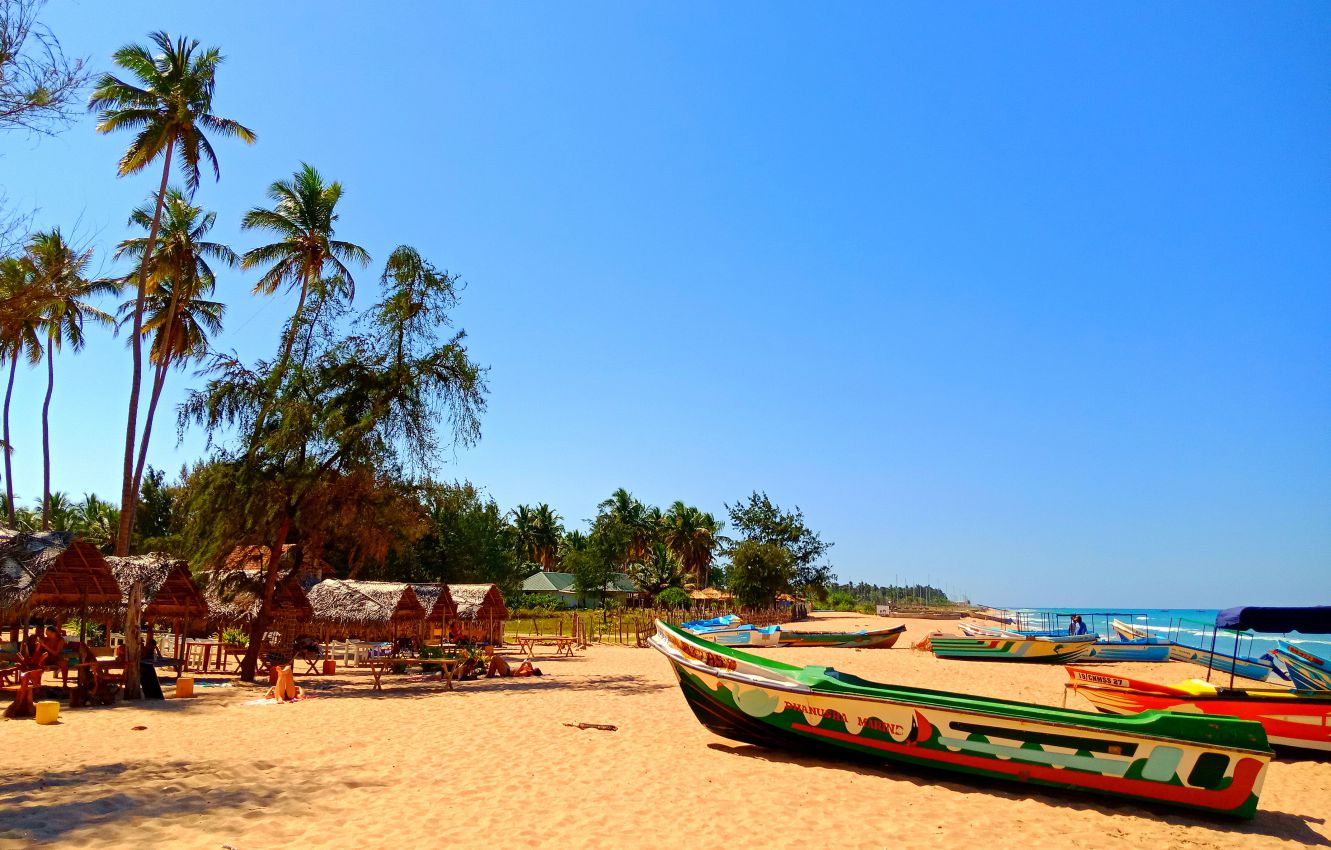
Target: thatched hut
{"points": [[234, 598], [481, 612], [52, 575], [366, 609], [170, 596], [439, 609], [309, 568]]}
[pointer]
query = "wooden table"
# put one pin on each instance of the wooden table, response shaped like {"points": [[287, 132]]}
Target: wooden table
{"points": [[447, 667], [563, 644]]}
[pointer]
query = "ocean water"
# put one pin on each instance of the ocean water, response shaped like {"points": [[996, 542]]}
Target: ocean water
{"points": [[1189, 626]]}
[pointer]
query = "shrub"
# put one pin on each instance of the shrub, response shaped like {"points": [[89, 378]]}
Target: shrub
{"points": [[235, 636], [674, 598]]}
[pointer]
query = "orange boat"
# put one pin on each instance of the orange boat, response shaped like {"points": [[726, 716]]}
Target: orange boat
{"points": [[1300, 719]]}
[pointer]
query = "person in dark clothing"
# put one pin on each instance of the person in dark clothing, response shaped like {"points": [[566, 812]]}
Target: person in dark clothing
{"points": [[1077, 626]]}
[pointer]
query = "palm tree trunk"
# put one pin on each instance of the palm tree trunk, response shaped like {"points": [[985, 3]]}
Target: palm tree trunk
{"points": [[275, 379], [129, 494], [9, 469], [159, 381], [46, 433]]}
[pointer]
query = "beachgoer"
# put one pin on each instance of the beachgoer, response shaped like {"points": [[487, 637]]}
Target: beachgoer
{"points": [[1077, 626], [500, 667], [53, 645], [286, 689]]}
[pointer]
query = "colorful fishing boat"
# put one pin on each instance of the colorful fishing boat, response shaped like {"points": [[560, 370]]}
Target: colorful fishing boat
{"points": [[750, 636], [1306, 670], [1211, 764], [875, 639], [1250, 668], [1291, 718], [1013, 647]]}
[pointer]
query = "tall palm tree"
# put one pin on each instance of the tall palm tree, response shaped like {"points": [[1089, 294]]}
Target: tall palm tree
{"points": [[549, 530], [633, 518], [303, 216], [95, 521], [58, 271], [19, 339], [178, 275], [169, 105], [692, 535]]}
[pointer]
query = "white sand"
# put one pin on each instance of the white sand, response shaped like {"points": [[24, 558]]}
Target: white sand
{"points": [[491, 765]]}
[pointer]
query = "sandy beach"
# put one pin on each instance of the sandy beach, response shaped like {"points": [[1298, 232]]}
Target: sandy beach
{"points": [[493, 765]]}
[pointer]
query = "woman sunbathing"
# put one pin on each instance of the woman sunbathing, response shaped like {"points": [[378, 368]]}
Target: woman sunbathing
{"points": [[500, 667], [286, 689]]}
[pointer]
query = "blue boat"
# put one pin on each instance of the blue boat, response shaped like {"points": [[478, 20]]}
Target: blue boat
{"points": [[1307, 671], [725, 621], [1127, 650], [749, 636]]}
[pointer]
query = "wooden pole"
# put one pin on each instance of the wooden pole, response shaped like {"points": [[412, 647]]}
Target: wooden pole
{"points": [[133, 611]]}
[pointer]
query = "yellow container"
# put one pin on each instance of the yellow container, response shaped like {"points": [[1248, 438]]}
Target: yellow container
{"points": [[184, 687], [48, 712]]}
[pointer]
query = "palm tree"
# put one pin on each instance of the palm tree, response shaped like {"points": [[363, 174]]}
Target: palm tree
{"points": [[692, 535], [632, 518], [95, 521], [58, 273], [18, 340], [170, 106], [303, 217], [178, 274], [549, 530]]}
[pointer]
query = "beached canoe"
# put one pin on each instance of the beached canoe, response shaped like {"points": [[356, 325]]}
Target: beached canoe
{"points": [[1250, 668], [725, 621], [1211, 764], [1013, 647], [1306, 670], [875, 639], [750, 636], [1291, 718]]}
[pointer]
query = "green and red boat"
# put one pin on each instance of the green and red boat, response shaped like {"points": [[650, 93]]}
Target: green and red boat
{"points": [[872, 639], [1212, 764]]}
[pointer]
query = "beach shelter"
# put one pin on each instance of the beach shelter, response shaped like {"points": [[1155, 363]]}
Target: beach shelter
{"points": [[170, 594], [439, 607], [365, 609], [52, 575], [481, 611]]}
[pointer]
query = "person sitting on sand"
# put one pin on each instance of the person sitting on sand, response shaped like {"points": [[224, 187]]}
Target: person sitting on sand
{"points": [[286, 689], [499, 667]]}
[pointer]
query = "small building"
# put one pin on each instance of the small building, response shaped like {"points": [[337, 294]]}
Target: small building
{"points": [[51, 575], [563, 586], [481, 612], [170, 596], [440, 609]]}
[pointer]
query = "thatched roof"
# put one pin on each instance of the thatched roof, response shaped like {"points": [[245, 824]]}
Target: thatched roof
{"points": [[369, 603], [438, 602], [711, 594], [479, 601], [169, 591], [52, 574], [294, 556], [234, 596]]}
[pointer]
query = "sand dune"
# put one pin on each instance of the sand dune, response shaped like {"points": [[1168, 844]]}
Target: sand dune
{"points": [[492, 765]]}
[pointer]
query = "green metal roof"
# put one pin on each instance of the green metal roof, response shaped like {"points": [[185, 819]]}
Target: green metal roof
{"points": [[550, 582]]}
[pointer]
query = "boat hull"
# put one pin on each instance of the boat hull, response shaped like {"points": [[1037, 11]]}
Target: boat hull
{"points": [[1306, 670], [1292, 719], [1011, 648], [746, 636], [1246, 667], [1216, 766], [876, 639], [1111, 651]]}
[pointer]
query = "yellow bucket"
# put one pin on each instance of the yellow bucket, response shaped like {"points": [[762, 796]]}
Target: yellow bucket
{"points": [[48, 712], [184, 687]]}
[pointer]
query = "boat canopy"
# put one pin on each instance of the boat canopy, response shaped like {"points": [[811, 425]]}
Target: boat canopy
{"points": [[1309, 621]]}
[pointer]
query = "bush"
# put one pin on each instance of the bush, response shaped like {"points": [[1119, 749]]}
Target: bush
{"points": [[540, 602], [235, 636], [96, 631], [674, 598]]}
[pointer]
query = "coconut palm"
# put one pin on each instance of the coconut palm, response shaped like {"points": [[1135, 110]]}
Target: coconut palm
{"points": [[692, 535], [57, 270], [95, 521], [19, 340], [178, 275], [169, 105], [632, 520], [303, 216]]}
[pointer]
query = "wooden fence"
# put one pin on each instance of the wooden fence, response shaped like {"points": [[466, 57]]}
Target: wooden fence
{"points": [[632, 626]]}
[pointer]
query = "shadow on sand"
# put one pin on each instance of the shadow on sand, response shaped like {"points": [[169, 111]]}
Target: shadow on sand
{"points": [[1282, 825]]}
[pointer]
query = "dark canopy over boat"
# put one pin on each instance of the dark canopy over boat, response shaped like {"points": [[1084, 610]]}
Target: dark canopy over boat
{"points": [[1309, 621]]}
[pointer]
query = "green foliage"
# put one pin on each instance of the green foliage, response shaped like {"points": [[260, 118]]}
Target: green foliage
{"points": [[155, 516], [872, 594], [675, 598], [758, 572], [235, 636], [760, 520], [839, 600], [466, 538], [96, 632], [537, 604], [659, 571]]}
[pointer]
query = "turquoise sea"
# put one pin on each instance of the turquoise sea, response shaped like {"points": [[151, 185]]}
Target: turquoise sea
{"points": [[1191, 626]]}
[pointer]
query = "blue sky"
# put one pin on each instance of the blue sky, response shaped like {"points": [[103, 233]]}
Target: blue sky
{"points": [[1024, 299]]}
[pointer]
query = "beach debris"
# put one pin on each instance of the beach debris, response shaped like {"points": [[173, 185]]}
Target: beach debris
{"points": [[138, 728], [604, 727]]}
